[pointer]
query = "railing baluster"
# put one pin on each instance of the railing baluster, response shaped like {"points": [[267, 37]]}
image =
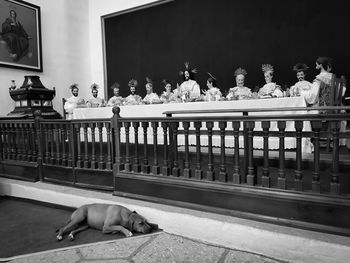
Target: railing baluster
{"points": [[33, 144], [70, 137], [29, 142], [25, 140], [93, 154], [176, 169], [136, 166], [18, 141], [335, 186], [58, 152], [187, 170], [165, 168], [63, 128], [2, 147], [127, 165], [155, 167], [251, 176], [21, 136], [118, 163], [79, 157], [210, 171], [100, 142], [37, 131], [198, 171], [8, 141], [46, 136], [52, 144], [146, 167], [13, 141], [109, 147], [86, 151], [281, 181], [236, 166], [265, 179], [222, 173], [316, 186], [298, 179]]}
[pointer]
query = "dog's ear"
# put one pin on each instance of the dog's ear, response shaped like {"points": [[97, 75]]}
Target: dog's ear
{"points": [[153, 226], [131, 221]]}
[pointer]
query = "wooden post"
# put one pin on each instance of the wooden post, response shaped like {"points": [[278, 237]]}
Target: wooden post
{"points": [[86, 151], [109, 147], [210, 171], [37, 118], [265, 180], [281, 181], [187, 170], [100, 140], [93, 153], [79, 157], [176, 169], [33, 141], [116, 124], [335, 186], [198, 171], [251, 176], [298, 179], [127, 165], [137, 166], [52, 143], [58, 153], [146, 167], [236, 166], [222, 173], [316, 186], [165, 168], [63, 128]]}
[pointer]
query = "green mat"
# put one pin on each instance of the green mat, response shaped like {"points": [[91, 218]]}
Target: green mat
{"points": [[30, 226]]}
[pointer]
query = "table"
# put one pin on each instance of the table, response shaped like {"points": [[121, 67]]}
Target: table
{"points": [[157, 110]]}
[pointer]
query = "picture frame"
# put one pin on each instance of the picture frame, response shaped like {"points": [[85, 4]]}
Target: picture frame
{"points": [[20, 35]]}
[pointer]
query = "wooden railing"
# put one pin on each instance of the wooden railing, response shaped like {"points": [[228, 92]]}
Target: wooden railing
{"points": [[192, 159], [233, 171]]}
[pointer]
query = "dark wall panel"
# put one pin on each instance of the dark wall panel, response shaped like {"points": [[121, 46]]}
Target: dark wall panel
{"points": [[220, 35]]}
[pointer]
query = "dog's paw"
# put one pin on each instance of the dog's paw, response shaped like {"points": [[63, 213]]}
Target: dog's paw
{"points": [[127, 233], [71, 237], [59, 238]]}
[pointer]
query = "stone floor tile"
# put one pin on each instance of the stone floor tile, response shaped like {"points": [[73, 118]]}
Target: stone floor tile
{"points": [[246, 257], [120, 248], [106, 261], [66, 256], [170, 248]]}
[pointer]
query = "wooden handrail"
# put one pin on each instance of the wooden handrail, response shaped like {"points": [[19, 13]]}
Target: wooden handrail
{"points": [[289, 117], [326, 108]]}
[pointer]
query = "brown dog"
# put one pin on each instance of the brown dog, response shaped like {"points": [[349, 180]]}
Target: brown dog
{"points": [[106, 217]]}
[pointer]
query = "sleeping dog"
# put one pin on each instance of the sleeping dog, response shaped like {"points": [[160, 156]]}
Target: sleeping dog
{"points": [[106, 217]]}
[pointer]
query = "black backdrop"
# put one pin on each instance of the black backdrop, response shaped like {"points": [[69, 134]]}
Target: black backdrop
{"points": [[220, 35]]}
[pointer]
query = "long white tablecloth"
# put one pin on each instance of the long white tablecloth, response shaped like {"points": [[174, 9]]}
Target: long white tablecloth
{"points": [[157, 110]]}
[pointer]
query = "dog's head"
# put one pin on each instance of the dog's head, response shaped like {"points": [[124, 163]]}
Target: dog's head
{"points": [[139, 224]]}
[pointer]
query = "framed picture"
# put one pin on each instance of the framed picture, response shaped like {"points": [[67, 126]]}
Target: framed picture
{"points": [[20, 35]]}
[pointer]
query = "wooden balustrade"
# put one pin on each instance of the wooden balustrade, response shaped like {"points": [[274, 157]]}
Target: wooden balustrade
{"points": [[86, 147], [92, 145], [230, 171]]}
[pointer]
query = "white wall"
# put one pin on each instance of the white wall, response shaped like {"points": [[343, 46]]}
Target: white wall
{"points": [[72, 48], [65, 52]]}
